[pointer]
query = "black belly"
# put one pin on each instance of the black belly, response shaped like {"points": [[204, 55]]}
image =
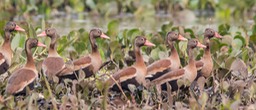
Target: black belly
{"points": [[73, 76], [199, 74], [157, 75], [4, 67], [87, 71], [124, 85], [23, 92], [173, 84]]}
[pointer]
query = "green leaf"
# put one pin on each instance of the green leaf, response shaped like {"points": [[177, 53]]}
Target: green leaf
{"points": [[223, 29], [91, 4], [254, 29], [167, 27], [253, 39], [241, 38], [192, 35], [237, 43], [79, 46], [131, 34], [17, 41], [99, 85], [154, 53], [113, 29]]}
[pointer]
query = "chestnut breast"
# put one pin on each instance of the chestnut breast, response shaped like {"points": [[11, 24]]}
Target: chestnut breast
{"points": [[7, 55], [208, 65], [141, 74], [95, 61], [175, 63], [190, 72]]}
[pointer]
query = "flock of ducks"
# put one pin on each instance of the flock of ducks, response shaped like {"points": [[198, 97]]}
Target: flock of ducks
{"points": [[158, 73]]}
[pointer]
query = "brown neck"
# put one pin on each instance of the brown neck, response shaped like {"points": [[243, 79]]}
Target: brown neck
{"points": [[191, 56], [207, 44], [30, 61], [7, 39], [53, 46], [139, 58], [93, 44], [173, 52]]}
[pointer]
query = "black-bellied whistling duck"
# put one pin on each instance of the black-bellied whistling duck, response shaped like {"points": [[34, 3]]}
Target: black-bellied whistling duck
{"points": [[131, 75], [162, 66], [25, 76], [188, 72], [91, 63], [6, 51], [54, 62], [205, 65]]}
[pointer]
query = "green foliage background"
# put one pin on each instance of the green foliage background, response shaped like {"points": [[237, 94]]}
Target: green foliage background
{"points": [[230, 19]]}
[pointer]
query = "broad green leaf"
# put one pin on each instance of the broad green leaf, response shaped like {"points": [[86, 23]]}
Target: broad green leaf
{"points": [[192, 35], [224, 29], [167, 27], [113, 28], [253, 39], [237, 44], [240, 38], [154, 53], [91, 4], [254, 29]]}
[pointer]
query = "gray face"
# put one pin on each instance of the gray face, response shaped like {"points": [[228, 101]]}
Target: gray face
{"points": [[172, 36], [209, 33], [50, 32], [96, 33], [10, 26], [192, 43], [140, 41], [31, 43]]}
